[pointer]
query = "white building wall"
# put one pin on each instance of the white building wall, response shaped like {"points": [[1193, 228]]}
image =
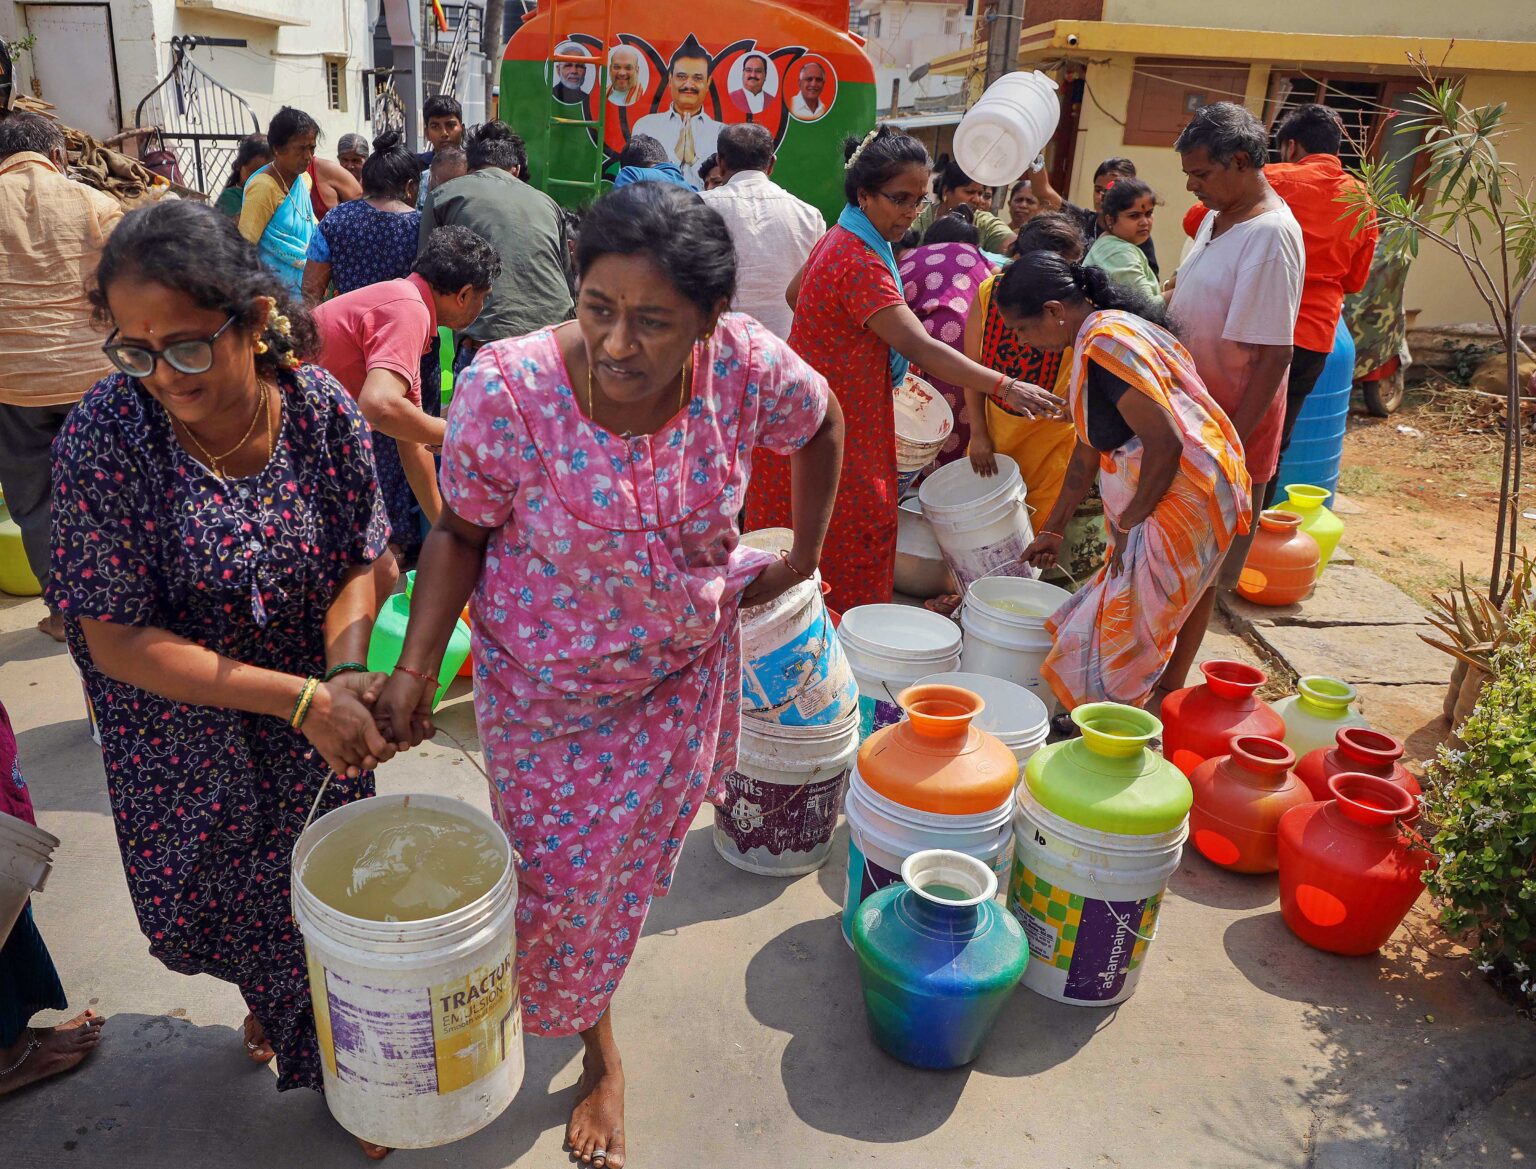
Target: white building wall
{"points": [[283, 62], [912, 34]]}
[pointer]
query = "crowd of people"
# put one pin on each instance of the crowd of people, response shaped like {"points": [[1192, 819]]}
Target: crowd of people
{"points": [[221, 489]]}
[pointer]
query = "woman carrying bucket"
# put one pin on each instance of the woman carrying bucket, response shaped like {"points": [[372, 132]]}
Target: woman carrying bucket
{"points": [[592, 477], [218, 556], [853, 325], [1170, 469]]}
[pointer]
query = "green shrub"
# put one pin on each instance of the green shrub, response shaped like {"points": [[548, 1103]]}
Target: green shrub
{"points": [[1481, 800]]}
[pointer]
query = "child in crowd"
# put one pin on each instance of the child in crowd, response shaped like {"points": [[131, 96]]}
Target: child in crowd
{"points": [[1125, 221]]}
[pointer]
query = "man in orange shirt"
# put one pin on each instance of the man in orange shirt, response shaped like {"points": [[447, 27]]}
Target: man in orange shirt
{"points": [[1311, 180]]}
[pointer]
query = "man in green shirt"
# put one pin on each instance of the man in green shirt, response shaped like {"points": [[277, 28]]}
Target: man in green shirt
{"points": [[525, 227], [957, 187]]}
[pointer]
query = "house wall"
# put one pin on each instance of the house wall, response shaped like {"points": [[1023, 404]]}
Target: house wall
{"points": [[1494, 20], [912, 34], [281, 64], [1438, 285]]}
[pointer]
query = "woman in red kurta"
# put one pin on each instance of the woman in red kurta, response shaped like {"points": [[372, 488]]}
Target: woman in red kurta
{"points": [[853, 326]]}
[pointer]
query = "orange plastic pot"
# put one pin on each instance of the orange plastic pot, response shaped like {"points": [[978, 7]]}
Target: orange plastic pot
{"points": [[1363, 751], [934, 760], [1282, 564], [1239, 799]]}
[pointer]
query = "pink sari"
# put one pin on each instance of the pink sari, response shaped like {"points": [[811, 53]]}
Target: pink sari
{"points": [[607, 667]]}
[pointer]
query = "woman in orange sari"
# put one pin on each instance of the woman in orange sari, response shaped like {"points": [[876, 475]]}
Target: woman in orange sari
{"points": [[1170, 469]]}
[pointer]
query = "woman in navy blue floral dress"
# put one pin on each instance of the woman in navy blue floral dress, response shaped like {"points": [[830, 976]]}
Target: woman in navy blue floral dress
{"points": [[218, 555], [367, 241]]}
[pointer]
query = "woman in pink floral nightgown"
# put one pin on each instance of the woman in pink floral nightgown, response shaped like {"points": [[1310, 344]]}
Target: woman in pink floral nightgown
{"points": [[592, 476]]}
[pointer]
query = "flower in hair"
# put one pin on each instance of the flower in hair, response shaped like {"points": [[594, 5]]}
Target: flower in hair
{"points": [[858, 150]]}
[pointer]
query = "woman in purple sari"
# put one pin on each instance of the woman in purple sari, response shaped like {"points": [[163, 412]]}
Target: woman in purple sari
{"points": [[939, 280]]}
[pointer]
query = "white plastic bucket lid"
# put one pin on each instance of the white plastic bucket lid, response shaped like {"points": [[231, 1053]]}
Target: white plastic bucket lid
{"points": [[901, 632], [956, 489], [1012, 713]]}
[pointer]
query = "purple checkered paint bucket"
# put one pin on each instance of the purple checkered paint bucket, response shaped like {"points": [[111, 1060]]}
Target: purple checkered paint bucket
{"points": [[418, 1021]]}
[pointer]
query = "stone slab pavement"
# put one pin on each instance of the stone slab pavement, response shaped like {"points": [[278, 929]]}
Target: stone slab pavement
{"points": [[743, 1032]]}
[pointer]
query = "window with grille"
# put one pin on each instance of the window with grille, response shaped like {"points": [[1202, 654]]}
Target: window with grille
{"points": [[1358, 102], [335, 84]]}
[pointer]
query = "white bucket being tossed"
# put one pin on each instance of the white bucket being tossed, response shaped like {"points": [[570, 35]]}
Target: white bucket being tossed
{"points": [[980, 523], [923, 421], [889, 647], [785, 796], [419, 1022], [882, 834], [1013, 714], [1088, 901], [1004, 132], [792, 667], [1005, 635], [26, 859], [920, 568]]}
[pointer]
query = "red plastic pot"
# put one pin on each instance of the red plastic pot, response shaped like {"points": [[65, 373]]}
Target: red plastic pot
{"points": [[1239, 799], [1363, 751], [1200, 722], [1348, 872], [1282, 564]]}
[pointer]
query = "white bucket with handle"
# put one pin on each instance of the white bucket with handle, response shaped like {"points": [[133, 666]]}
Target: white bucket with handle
{"points": [[1004, 132], [889, 647], [981, 524], [26, 859], [1005, 636]]}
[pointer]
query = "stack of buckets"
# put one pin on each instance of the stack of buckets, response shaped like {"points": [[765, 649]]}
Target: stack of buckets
{"points": [[799, 730], [888, 648], [26, 859], [934, 780], [923, 421]]}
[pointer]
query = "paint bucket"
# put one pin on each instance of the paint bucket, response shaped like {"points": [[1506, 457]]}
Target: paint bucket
{"points": [[1004, 132], [793, 670], [920, 568], [26, 859], [889, 647], [882, 834], [1088, 901], [418, 1022], [1005, 636], [981, 524], [785, 796], [923, 421], [1012, 714]]}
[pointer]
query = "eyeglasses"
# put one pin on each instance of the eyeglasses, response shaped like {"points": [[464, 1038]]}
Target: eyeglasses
{"points": [[904, 201], [195, 356]]}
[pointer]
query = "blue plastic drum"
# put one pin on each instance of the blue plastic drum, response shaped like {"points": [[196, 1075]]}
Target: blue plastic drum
{"points": [[1317, 443]]}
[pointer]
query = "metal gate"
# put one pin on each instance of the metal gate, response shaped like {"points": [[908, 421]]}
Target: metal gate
{"points": [[200, 119]]}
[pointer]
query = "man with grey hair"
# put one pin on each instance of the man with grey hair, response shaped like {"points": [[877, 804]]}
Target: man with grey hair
{"points": [[51, 232], [773, 231], [1234, 307]]}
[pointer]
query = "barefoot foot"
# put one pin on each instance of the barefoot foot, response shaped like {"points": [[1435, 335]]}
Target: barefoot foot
{"points": [[49, 1051], [53, 626], [257, 1048], [595, 1135]]}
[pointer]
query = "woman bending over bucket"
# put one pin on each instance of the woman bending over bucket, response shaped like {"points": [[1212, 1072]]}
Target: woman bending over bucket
{"points": [[591, 480], [1170, 468]]}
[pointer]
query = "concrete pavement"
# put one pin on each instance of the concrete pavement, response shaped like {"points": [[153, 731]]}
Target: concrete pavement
{"points": [[743, 1033]]}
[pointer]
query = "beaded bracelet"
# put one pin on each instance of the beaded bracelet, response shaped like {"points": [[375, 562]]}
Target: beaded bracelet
{"points": [[306, 698], [345, 668], [416, 674]]}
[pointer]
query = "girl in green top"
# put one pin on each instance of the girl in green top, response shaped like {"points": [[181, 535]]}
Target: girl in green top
{"points": [[253, 154], [1125, 221]]}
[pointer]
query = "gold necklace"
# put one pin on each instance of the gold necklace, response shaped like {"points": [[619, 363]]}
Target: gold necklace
{"points": [[685, 387], [215, 462]]}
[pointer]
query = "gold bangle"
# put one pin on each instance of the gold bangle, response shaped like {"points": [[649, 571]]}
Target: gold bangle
{"points": [[306, 698]]}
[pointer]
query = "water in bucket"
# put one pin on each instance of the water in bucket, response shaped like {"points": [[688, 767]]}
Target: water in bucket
{"points": [[403, 863]]}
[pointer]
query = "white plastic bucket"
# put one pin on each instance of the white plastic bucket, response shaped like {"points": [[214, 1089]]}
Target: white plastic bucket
{"points": [[920, 568], [1013, 714], [785, 796], [792, 667], [419, 1023], [923, 421], [1004, 132], [1088, 902], [1006, 644], [883, 834], [26, 859], [981, 525], [889, 647]]}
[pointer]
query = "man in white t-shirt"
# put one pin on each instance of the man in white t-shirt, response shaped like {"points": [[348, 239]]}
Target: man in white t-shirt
{"points": [[1234, 307], [773, 231]]}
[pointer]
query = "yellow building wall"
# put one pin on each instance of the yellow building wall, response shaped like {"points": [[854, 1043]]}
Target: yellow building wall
{"points": [[1494, 20], [1437, 284]]}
